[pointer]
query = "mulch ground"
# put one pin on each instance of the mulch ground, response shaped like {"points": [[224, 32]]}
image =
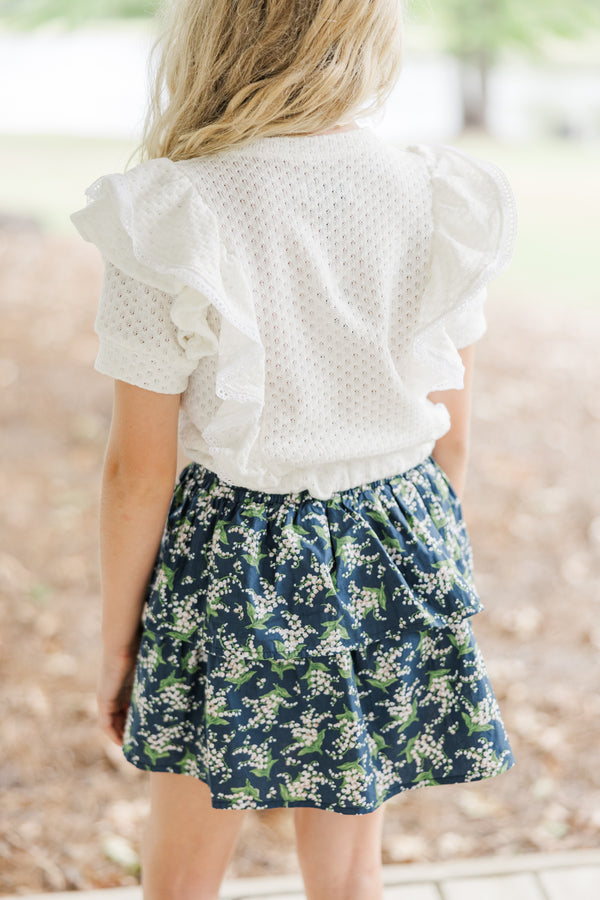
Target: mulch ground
{"points": [[73, 807]]}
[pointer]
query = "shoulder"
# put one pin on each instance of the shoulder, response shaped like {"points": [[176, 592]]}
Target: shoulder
{"points": [[473, 206], [154, 182], [151, 222], [459, 177]]}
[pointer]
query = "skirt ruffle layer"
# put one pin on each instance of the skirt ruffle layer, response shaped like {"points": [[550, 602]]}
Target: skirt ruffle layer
{"points": [[305, 652], [288, 575]]}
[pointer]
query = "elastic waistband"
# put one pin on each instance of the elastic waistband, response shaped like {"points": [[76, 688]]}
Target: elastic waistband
{"points": [[207, 480]]}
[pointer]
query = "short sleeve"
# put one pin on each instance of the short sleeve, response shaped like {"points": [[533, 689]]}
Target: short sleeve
{"points": [[166, 264], [473, 234], [163, 268], [138, 341]]}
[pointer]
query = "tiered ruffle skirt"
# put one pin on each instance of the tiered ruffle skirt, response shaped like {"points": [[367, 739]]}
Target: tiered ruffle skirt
{"points": [[307, 652]]}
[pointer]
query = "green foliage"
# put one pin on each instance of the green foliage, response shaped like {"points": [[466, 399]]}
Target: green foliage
{"points": [[32, 13], [478, 31], [475, 28]]}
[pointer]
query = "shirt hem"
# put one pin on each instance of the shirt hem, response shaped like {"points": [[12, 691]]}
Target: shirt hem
{"points": [[322, 486]]}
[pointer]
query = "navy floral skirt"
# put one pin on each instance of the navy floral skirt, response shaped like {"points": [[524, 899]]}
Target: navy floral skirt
{"points": [[307, 652]]}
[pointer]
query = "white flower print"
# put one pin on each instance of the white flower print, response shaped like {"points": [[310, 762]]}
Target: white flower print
{"points": [[303, 652]]}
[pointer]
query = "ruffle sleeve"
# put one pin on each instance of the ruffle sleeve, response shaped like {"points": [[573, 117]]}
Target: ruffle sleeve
{"points": [[138, 340], [152, 225], [472, 241]]}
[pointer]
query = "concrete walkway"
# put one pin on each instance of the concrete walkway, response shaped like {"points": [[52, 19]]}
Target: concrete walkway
{"points": [[539, 876]]}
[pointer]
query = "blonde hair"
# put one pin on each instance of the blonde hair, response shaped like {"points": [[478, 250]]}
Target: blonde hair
{"points": [[234, 70]]}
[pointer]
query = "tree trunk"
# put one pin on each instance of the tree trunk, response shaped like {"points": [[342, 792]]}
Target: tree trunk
{"points": [[474, 79]]}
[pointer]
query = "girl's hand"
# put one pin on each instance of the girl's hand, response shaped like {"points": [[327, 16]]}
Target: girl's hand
{"points": [[113, 693]]}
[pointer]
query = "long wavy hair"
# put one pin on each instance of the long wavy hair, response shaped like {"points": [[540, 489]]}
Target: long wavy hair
{"points": [[230, 71]]}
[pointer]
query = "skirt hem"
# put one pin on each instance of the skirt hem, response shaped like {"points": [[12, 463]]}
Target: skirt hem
{"points": [[458, 778]]}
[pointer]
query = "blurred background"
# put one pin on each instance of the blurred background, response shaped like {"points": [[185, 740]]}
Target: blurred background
{"points": [[515, 83]]}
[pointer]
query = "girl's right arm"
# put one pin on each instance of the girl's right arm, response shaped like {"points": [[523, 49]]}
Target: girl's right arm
{"points": [[451, 451], [139, 475], [140, 469]]}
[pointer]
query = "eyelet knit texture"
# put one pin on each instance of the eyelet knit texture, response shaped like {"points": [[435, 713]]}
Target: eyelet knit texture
{"points": [[304, 294]]}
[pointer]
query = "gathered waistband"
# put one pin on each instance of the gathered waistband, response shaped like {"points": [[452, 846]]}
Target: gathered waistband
{"points": [[207, 480]]}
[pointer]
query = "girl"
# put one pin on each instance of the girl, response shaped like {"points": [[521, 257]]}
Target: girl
{"points": [[287, 623]]}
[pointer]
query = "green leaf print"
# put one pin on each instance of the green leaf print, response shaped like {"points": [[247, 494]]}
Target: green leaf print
{"points": [[153, 755], [409, 748], [475, 726], [323, 533], [177, 496], [349, 715], [440, 522], [299, 529], [426, 777], [170, 681], [279, 666], [188, 757], [280, 691], [379, 683], [341, 543], [313, 667], [378, 516], [315, 747], [255, 622], [254, 560], [183, 635], [247, 789], [354, 765], [463, 647], [382, 596], [185, 660], [424, 636], [380, 743], [377, 597], [169, 576], [283, 650], [240, 679], [215, 720], [436, 673], [412, 718], [332, 592], [220, 530], [255, 511], [285, 794], [331, 626], [265, 773], [294, 792]]}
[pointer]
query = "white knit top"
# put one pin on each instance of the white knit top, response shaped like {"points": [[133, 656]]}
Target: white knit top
{"points": [[304, 294]]}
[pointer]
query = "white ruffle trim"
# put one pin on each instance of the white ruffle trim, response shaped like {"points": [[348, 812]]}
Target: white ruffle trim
{"points": [[178, 250], [194, 335], [473, 240]]}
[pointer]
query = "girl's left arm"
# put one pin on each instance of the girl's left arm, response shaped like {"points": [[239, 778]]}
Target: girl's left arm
{"points": [[140, 468]]}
